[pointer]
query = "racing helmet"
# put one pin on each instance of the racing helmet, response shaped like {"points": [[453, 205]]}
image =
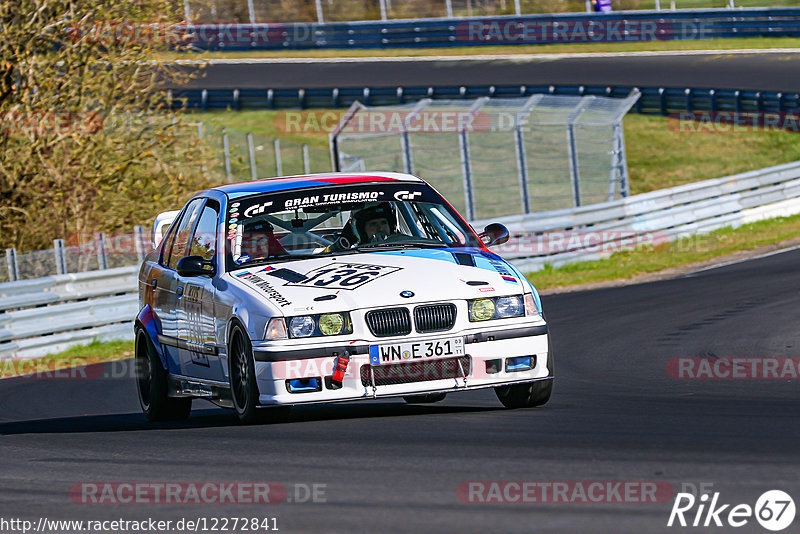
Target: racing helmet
{"points": [[384, 210]]}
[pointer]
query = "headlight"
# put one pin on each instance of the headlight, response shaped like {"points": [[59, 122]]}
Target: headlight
{"points": [[508, 306], [302, 326], [326, 324], [481, 310], [331, 324], [496, 308]]}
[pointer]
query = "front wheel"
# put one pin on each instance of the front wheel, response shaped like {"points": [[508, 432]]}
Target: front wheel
{"points": [[152, 385], [244, 388], [527, 394]]}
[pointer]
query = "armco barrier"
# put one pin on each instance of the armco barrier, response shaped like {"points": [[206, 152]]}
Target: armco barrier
{"points": [[622, 26], [48, 314], [654, 100], [596, 231]]}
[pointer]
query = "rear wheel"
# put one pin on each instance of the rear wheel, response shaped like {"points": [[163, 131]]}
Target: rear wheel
{"points": [[428, 398], [244, 388], [151, 384]]}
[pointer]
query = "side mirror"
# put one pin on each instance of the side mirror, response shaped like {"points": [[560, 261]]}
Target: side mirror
{"points": [[195, 266], [494, 234]]}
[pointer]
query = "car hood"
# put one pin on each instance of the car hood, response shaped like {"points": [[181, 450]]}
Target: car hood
{"points": [[387, 278]]}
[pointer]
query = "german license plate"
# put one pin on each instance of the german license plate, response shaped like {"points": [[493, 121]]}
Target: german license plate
{"points": [[417, 351]]}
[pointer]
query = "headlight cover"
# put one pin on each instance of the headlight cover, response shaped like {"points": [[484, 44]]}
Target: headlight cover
{"points": [[325, 324], [496, 308]]}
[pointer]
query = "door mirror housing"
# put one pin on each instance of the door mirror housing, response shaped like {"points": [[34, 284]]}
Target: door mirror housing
{"points": [[494, 234], [195, 266]]}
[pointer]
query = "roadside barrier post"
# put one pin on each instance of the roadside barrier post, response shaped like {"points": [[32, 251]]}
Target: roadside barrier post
{"points": [[226, 149], [138, 242], [252, 151], [306, 160], [61, 260], [13, 266], [102, 253], [278, 164]]}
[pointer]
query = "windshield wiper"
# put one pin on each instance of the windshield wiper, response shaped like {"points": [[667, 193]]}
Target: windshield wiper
{"points": [[404, 244]]}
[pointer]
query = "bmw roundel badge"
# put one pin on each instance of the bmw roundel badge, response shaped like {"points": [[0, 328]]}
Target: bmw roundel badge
{"points": [[406, 294]]}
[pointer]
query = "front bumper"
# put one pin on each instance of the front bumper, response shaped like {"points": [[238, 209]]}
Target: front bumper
{"points": [[274, 365]]}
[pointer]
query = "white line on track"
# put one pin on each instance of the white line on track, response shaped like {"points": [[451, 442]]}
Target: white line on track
{"points": [[487, 57]]}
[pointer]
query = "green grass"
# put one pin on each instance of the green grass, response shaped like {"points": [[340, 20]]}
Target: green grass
{"points": [[94, 352], [699, 44], [645, 260]]}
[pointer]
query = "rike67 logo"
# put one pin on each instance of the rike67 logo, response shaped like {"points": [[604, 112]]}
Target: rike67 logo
{"points": [[774, 510]]}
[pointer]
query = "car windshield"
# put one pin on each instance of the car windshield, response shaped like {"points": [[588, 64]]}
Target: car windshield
{"points": [[339, 220]]}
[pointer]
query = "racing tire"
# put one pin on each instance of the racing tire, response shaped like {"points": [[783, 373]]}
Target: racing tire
{"points": [[152, 384], [427, 398], [525, 395], [244, 387], [529, 394]]}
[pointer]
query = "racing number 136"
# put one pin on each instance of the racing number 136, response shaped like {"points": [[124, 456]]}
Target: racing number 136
{"points": [[344, 275]]}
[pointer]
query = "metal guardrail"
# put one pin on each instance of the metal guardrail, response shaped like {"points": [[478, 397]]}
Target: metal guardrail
{"points": [[47, 315], [653, 100], [623, 26], [593, 232]]}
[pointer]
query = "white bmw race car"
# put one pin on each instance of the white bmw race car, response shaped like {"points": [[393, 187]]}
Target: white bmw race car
{"points": [[332, 287]]}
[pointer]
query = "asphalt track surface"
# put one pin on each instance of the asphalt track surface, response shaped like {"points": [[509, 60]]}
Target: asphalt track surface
{"points": [[615, 415], [746, 71]]}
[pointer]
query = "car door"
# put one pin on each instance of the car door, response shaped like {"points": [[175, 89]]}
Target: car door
{"points": [[167, 298], [198, 349]]}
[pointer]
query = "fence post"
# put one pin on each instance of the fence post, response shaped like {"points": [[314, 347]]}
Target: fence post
{"points": [[448, 8], [251, 10], [102, 253], [383, 9], [252, 150], [306, 160], [517, 9], [463, 145], [624, 182], [187, 14], [278, 164], [574, 173], [658, 5], [61, 260], [13, 266], [572, 148], [138, 242], [522, 161], [405, 145], [200, 130], [320, 14], [226, 149]]}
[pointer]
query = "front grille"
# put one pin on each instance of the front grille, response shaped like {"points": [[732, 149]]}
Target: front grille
{"points": [[424, 371], [389, 322], [435, 318]]}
